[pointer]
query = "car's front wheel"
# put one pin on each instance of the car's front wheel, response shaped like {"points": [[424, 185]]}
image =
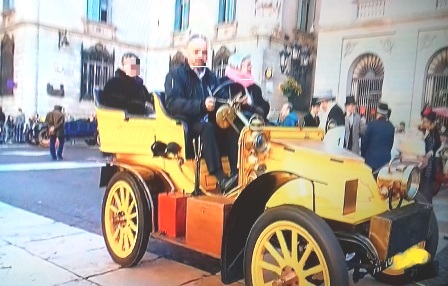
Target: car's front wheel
{"points": [[124, 211], [291, 245]]}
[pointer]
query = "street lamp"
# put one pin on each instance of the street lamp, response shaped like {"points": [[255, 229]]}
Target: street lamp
{"points": [[298, 60], [284, 55]]}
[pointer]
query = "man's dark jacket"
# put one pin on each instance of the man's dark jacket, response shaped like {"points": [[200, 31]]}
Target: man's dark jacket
{"points": [[185, 93], [56, 119], [125, 92], [335, 117], [377, 142], [310, 121]]}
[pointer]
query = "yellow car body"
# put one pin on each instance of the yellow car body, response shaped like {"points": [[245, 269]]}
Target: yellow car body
{"points": [[278, 166]]}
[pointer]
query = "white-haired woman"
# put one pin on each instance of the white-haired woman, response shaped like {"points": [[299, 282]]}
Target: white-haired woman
{"points": [[239, 69]]}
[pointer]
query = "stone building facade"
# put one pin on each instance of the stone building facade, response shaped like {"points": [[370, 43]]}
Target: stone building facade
{"points": [[383, 50], [57, 51]]}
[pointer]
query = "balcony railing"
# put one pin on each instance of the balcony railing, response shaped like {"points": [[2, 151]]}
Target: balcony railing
{"points": [[370, 9], [99, 29]]}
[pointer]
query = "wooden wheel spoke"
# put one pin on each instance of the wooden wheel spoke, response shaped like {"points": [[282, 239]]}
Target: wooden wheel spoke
{"points": [[306, 254], [313, 270], [132, 226], [113, 208], [117, 201], [116, 232], [274, 253], [283, 245], [294, 243], [122, 197], [131, 216], [270, 267], [131, 206], [130, 239], [130, 236], [127, 194], [121, 239]]}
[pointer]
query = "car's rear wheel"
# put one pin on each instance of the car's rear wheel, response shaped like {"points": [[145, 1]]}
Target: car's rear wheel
{"points": [[124, 211], [400, 276], [291, 245]]}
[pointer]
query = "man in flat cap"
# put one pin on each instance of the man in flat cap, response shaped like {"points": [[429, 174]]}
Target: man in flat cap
{"points": [[378, 139]]}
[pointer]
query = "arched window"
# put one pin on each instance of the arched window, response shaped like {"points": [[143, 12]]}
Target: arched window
{"points": [[97, 69], [182, 15], [366, 76], [220, 61], [7, 65], [436, 91]]}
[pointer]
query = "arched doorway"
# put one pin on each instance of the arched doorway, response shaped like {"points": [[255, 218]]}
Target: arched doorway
{"points": [[97, 69], [436, 91], [366, 83]]}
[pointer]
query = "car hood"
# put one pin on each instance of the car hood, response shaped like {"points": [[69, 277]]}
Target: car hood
{"points": [[320, 148]]}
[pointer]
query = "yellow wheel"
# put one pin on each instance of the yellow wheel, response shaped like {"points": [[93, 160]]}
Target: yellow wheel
{"points": [[125, 230], [402, 276], [290, 245]]}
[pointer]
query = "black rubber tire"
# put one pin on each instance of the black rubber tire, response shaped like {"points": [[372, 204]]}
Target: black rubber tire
{"points": [[431, 245], [44, 139], [143, 226], [315, 226]]}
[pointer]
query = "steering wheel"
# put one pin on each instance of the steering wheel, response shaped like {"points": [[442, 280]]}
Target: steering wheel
{"points": [[231, 107]]}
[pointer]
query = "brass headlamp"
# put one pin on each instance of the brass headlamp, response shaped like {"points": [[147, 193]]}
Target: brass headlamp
{"points": [[400, 181]]}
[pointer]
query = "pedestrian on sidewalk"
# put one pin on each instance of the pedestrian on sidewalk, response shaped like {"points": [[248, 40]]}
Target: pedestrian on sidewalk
{"points": [[56, 121], [19, 127], [2, 123], [9, 129]]}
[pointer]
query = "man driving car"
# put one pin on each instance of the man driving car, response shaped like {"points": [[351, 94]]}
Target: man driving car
{"points": [[187, 97]]}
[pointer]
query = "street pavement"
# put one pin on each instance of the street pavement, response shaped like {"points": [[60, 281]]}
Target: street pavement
{"points": [[50, 228]]}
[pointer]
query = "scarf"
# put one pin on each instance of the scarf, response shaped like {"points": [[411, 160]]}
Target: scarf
{"points": [[244, 79]]}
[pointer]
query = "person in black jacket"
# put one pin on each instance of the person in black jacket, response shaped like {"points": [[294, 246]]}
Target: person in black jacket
{"points": [[378, 139], [328, 105], [432, 145], [312, 118], [187, 97], [126, 89]]}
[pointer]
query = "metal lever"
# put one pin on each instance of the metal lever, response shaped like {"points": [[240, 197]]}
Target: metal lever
{"points": [[197, 156]]}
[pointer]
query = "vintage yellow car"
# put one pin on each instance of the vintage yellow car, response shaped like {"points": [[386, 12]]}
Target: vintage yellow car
{"points": [[303, 213]]}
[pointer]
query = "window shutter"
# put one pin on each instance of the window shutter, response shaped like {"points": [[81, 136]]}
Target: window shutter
{"points": [[231, 7], [186, 15], [222, 11], [93, 10], [177, 15]]}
